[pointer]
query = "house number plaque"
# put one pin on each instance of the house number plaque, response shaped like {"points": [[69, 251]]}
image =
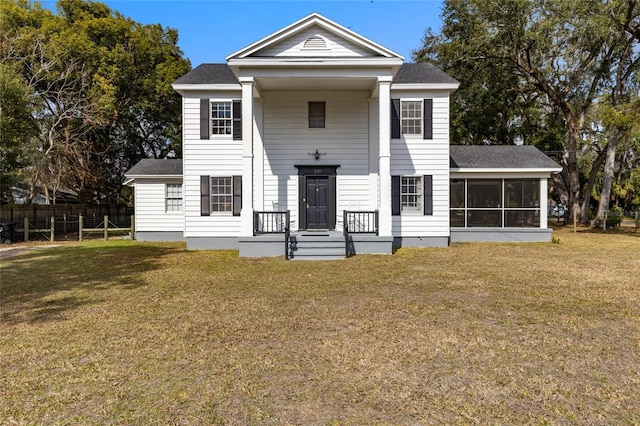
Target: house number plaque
{"points": [[317, 170]]}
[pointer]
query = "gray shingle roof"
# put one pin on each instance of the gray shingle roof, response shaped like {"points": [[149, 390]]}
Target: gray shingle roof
{"points": [[499, 157], [461, 157], [422, 73], [209, 74], [153, 167], [408, 74]]}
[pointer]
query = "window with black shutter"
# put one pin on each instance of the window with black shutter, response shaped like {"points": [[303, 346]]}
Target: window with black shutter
{"points": [[412, 117]]}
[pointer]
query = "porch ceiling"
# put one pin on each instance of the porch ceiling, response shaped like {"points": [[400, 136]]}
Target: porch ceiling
{"points": [[302, 83]]}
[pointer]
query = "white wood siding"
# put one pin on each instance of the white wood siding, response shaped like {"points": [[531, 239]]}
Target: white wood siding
{"points": [[288, 142], [413, 155], [218, 156], [150, 209], [336, 46]]}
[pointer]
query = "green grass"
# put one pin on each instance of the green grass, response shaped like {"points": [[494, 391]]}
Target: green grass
{"points": [[121, 332]]}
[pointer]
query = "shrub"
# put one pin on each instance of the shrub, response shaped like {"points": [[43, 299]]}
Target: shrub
{"points": [[614, 217]]}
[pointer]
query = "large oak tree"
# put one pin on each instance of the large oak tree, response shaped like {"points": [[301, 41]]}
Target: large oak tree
{"points": [[532, 71], [90, 94]]}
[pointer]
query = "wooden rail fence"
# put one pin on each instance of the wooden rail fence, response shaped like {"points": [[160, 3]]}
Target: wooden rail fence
{"points": [[105, 227]]}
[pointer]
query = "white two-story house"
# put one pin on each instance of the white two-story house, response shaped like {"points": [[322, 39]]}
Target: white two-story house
{"points": [[322, 141]]}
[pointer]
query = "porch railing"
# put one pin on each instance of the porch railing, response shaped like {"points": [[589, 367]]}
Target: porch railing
{"points": [[273, 223], [358, 222]]}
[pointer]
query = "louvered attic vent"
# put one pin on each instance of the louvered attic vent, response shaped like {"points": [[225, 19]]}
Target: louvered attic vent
{"points": [[315, 42]]}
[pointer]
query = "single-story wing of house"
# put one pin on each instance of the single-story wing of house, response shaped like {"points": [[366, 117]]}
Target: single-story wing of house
{"points": [[322, 141]]}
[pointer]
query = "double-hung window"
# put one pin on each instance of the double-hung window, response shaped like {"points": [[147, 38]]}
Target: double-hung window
{"points": [[173, 197], [317, 115], [221, 194], [411, 194], [221, 119], [411, 117]]}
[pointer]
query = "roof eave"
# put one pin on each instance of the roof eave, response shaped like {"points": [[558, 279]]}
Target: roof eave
{"points": [[180, 88], [553, 170], [425, 86], [315, 62], [131, 178]]}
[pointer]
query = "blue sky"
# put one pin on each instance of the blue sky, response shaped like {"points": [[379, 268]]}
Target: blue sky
{"points": [[210, 30]]}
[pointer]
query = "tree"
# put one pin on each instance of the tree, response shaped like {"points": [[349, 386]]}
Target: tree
{"points": [[620, 103], [94, 89], [551, 60], [14, 129]]}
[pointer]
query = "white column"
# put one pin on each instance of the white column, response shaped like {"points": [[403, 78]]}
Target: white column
{"points": [[384, 155], [246, 214], [544, 207], [374, 197], [258, 156]]}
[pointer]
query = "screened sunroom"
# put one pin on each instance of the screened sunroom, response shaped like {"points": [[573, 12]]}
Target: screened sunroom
{"points": [[499, 193]]}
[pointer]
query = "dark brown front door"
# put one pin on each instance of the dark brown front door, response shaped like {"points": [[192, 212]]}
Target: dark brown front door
{"points": [[317, 202]]}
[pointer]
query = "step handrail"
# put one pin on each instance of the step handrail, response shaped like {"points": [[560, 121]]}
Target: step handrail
{"points": [[358, 222], [274, 222]]}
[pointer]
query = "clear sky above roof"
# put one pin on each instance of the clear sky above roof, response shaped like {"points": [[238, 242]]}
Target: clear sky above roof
{"points": [[209, 30]]}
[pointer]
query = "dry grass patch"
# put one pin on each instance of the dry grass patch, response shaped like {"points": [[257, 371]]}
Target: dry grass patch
{"points": [[124, 332]]}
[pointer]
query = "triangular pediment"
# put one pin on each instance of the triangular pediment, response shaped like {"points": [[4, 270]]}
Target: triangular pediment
{"points": [[314, 37]]}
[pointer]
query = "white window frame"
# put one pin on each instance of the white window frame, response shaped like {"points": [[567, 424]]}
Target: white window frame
{"points": [[229, 120], [419, 118], [324, 116], [413, 206], [173, 198], [216, 210]]}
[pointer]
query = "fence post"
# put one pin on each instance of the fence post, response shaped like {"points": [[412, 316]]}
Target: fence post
{"points": [[133, 227], [604, 222], [106, 227], [26, 228], [575, 221], [64, 223], [53, 228], [80, 227]]}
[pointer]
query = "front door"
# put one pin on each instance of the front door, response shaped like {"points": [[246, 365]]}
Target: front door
{"points": [[317, 202], [317, 196]]}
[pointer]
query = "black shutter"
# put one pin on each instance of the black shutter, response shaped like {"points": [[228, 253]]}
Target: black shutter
{"points": [[395, 195], [428, 118], [428, 195], [395, 118], [237, 195], [205, 196], [205, 123], [237, 120]]}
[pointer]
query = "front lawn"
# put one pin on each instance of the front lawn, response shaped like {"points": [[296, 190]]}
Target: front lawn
{"points": [[121, 332]]}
